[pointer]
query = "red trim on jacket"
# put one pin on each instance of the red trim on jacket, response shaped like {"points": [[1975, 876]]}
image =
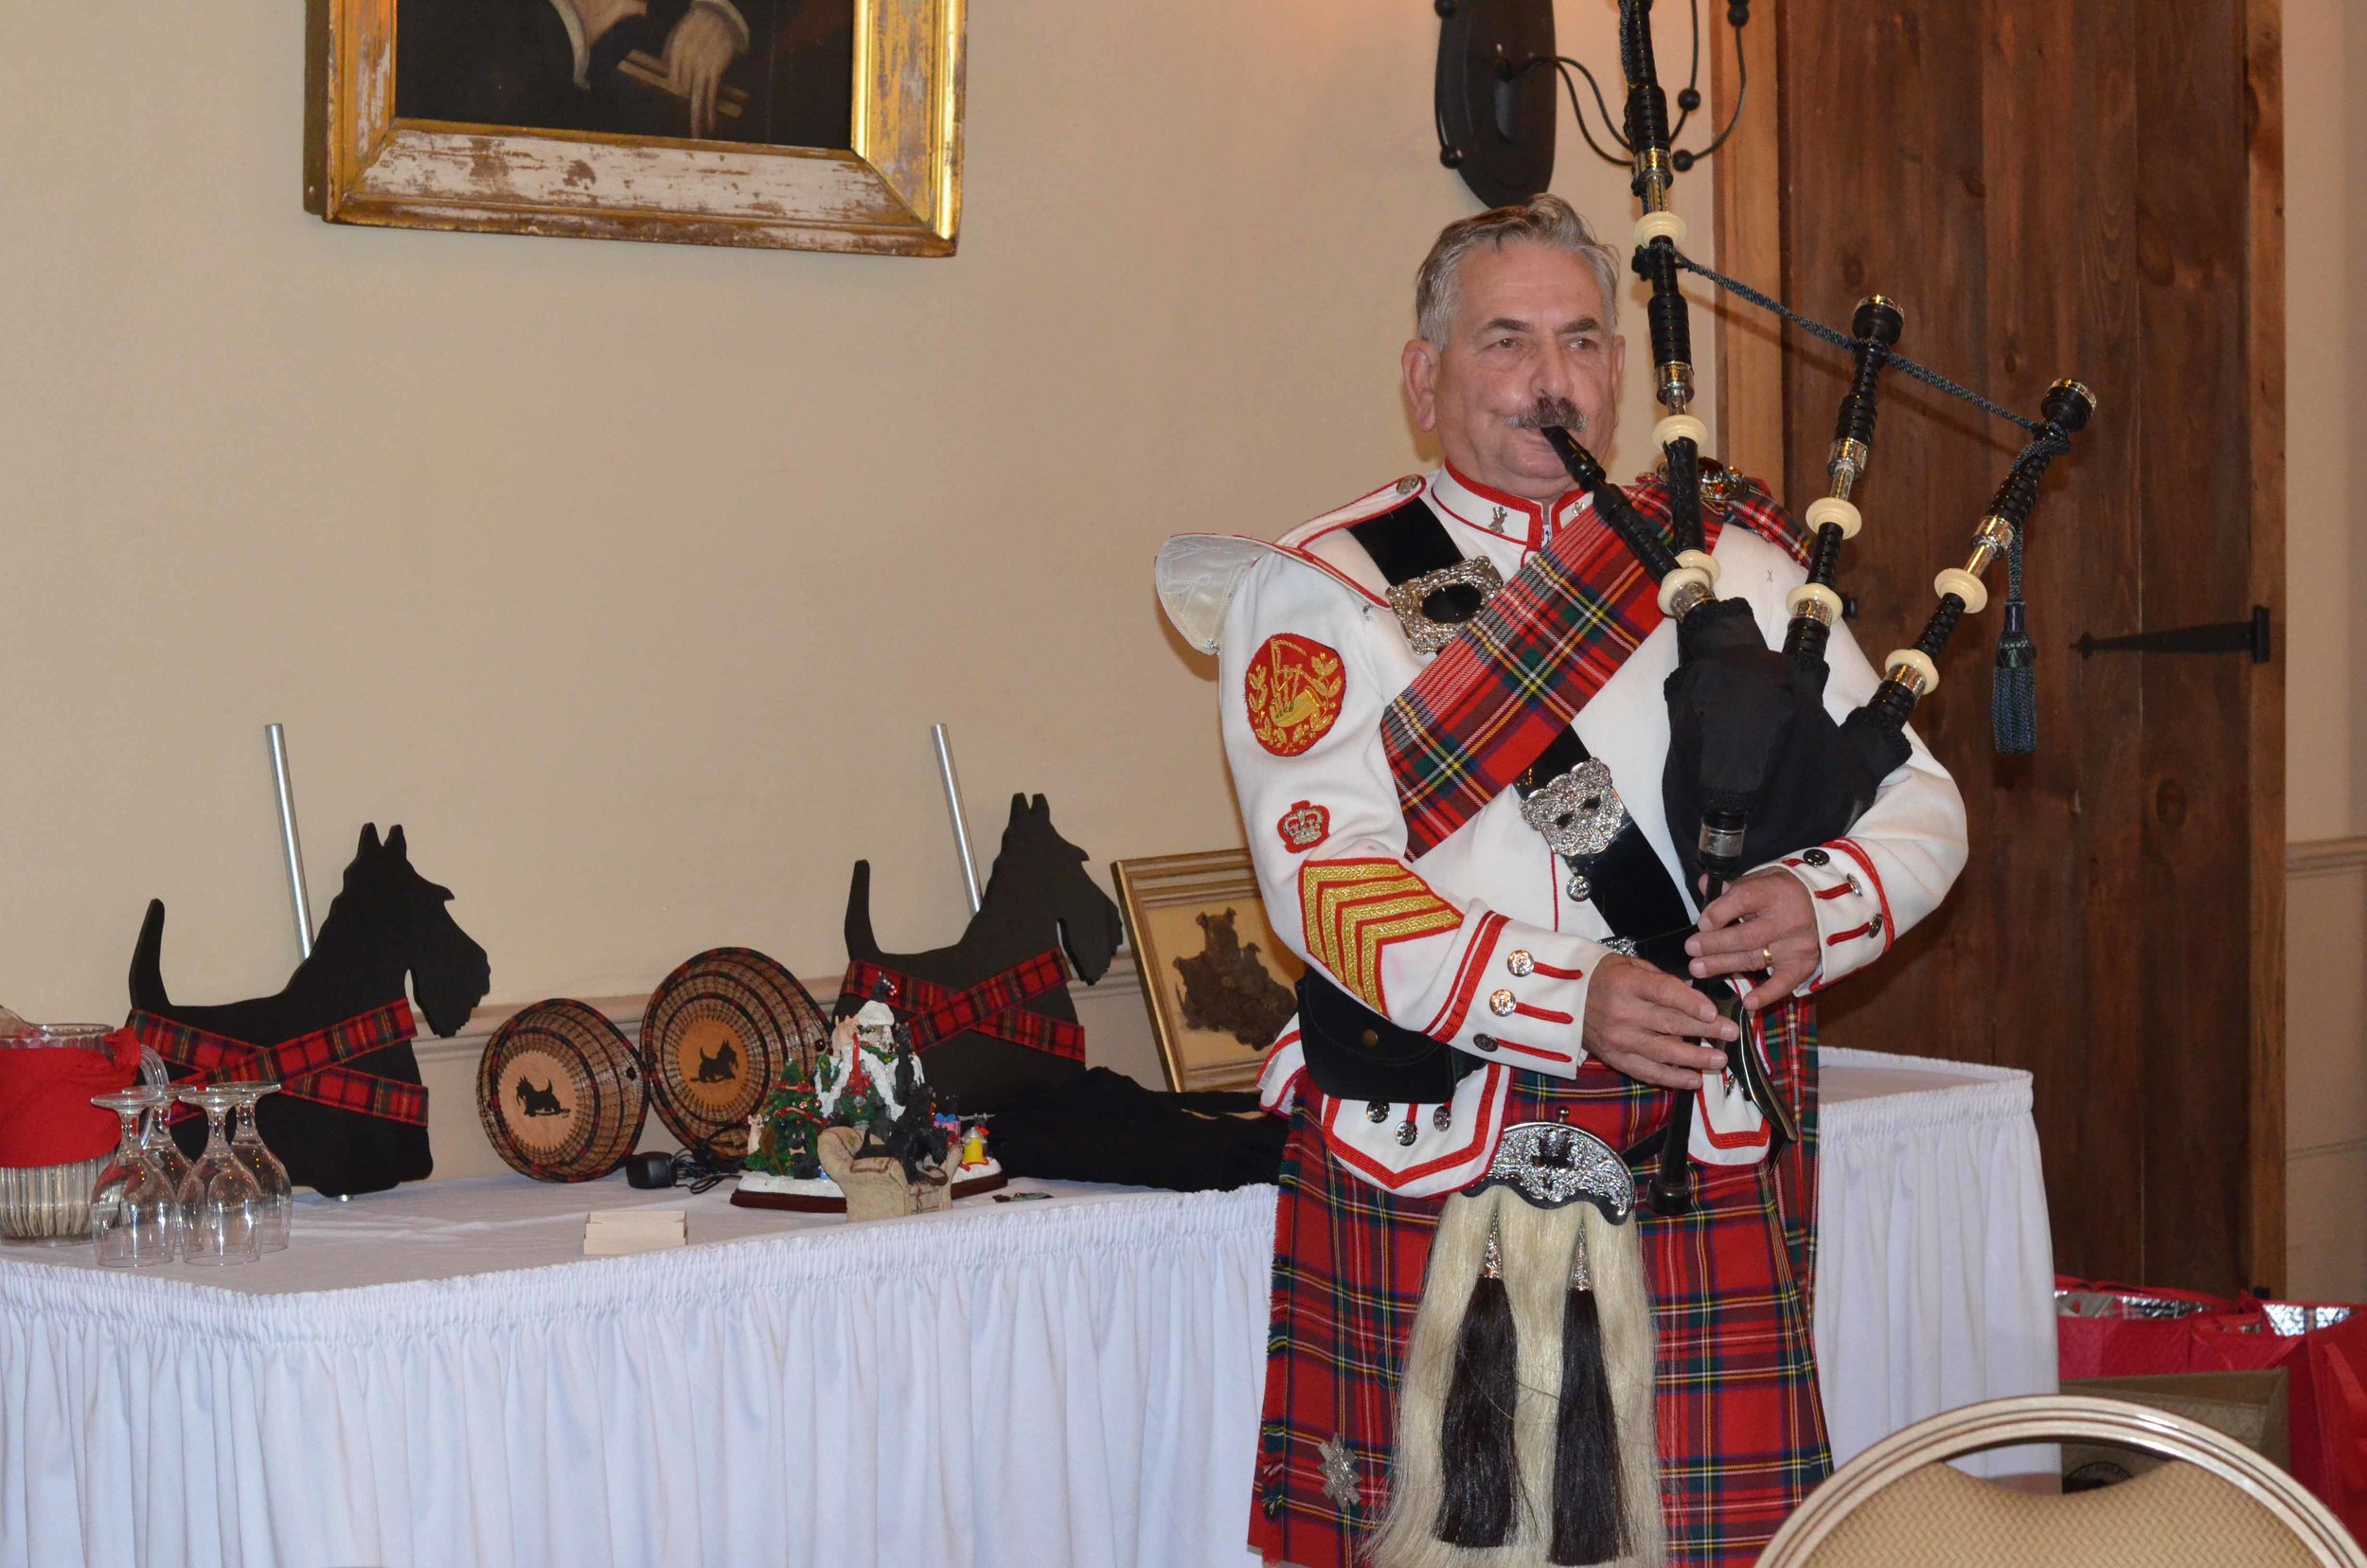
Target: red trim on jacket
{"points": [[1483, 1136]]}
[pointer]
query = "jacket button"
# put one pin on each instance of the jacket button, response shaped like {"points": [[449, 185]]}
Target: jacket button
{"points": [[1407, 1132], [1371, 1037], [1815, 856], [1442, 1118], [1522, 962], [1501, 1002], [1408, 485], [1857, 888], [1376, 1110], [1482, 1042], [1874, 925]]}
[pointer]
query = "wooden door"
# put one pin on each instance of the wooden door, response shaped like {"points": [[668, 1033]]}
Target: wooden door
{"points": [[2091, 188]]}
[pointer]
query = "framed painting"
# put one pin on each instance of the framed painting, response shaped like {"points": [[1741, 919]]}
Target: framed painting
{"points": [[1218, 982], [798, 124]]}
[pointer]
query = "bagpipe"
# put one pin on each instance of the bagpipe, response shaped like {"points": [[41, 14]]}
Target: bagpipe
{"points": [[1757, 768], [1534, 1280]]}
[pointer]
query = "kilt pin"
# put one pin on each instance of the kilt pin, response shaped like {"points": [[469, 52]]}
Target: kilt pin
{"points": [[1442, 912]]}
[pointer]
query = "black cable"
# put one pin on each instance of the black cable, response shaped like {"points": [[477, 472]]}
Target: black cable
{"points": [[1841, 340], [1693, 77], [1742, 92], [1565, 64]]}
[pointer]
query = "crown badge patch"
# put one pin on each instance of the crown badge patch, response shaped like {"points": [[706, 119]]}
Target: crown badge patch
{"points": [[1304, 826]]}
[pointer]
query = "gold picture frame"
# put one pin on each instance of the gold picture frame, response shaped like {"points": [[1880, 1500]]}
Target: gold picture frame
{"points": [[1210, 1012], [895, 188]]}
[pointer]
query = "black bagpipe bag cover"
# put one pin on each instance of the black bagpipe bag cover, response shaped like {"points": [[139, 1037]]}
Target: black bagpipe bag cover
{"points": [[1748, 735]]}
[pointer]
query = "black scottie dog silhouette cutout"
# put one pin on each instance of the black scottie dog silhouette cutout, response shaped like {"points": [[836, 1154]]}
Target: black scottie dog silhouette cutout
{"points": [[1038, 894], [387, 923]]}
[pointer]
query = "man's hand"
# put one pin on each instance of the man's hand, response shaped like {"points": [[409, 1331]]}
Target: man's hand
{"points": [[1764, 921], [702, 45], [1644, 1023]]}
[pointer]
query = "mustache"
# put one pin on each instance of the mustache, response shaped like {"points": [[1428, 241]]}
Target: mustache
{"points": [[1547, 412]]}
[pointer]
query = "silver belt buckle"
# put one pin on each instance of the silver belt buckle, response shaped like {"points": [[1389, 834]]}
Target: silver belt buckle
{"points": [[1578, 813], [1428, 636]]}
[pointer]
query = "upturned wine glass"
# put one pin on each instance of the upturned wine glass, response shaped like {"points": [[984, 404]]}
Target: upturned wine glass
{"points": [[135, 1208], [246, 1141], [156, 1132], [220, 1204]]}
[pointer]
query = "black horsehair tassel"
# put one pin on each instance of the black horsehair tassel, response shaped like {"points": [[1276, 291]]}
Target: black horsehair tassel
{"points": [[1589, 1507], [1475, 1433], [2014, 697]]}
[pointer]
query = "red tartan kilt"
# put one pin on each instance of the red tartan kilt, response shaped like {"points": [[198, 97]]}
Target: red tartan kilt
{"points": [[1741, 1428]]}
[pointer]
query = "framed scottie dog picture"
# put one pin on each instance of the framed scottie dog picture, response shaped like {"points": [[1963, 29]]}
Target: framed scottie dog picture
{"points": [[797, 124], [1218, 982]]}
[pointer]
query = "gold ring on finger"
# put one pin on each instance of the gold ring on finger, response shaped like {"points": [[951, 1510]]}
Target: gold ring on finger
{"points": [[1767, 958]]}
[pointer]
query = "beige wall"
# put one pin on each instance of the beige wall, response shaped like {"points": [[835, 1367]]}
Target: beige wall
{"points": [[2325, 360], [2325, 229], [631, 577]]}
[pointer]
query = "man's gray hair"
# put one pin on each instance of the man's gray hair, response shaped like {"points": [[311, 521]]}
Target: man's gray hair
{"points": [[1545, 221]]}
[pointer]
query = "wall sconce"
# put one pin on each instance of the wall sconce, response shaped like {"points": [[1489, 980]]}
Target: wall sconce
{"points": [[1495, 108]]}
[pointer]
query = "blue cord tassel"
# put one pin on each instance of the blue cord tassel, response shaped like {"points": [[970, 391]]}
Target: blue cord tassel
{"points": [[2014, 697]]}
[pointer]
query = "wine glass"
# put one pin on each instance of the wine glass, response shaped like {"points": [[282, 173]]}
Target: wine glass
{"points": [[157, 1134], [220, 1204], [134, 1212], [269, 1175]]}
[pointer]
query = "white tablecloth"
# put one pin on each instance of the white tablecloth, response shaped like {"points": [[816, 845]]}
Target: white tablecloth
{"points": [[436, 1377], [1934, 1272], [1066, 1381]]}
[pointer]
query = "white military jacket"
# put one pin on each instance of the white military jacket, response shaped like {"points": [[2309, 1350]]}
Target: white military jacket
{"points": [[1478, 942]]}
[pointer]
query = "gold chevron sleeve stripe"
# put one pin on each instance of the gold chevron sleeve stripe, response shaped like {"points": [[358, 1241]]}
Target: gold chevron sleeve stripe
{"points": [[1351, 910]]}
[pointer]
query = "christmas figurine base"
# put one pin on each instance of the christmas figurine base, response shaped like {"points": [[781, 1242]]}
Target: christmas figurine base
{"points": [[821, 1195]]}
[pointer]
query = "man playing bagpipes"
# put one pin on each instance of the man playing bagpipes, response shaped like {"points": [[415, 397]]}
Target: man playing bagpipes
{"points": [[1482, 1351]]}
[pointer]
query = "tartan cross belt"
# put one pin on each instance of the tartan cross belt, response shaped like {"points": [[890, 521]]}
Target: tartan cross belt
{"points": [[315, 1066], [992, 1006]]}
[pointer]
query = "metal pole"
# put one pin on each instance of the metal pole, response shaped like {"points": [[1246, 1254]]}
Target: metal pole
{"points": [[953, 804], [288, 838]]}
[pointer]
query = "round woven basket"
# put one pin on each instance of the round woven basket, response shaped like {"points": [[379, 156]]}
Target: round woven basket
{"points": [[714, 1041], [561, 1093]]}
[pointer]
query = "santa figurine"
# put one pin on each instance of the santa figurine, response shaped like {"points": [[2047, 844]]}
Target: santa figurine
{"points": [[861, 1068]]}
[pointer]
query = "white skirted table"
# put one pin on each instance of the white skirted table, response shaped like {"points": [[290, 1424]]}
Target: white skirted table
{"points": [[1935, 1269], [436, 1376]]}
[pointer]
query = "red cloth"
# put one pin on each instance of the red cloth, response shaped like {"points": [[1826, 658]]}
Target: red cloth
{"points": [[47, 1116], [995, 1006], [2325, 1375]]}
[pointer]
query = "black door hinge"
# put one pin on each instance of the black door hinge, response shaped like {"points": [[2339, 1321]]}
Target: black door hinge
{"points": [[2243, 636]]}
